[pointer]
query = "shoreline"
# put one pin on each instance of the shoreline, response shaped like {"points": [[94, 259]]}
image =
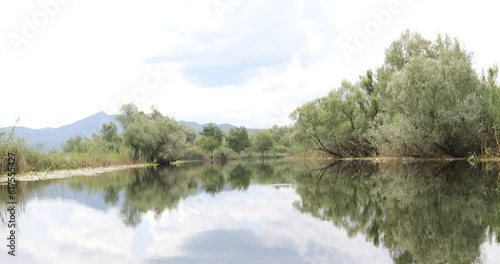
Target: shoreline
{"points": [[403, 159], [62, 174]]}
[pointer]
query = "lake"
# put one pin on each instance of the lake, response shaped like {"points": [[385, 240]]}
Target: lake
{"points": [[262, 212]]}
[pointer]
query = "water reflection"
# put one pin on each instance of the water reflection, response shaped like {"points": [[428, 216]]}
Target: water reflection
{"points": [[346, 212], [239, 177], [423, 213]]}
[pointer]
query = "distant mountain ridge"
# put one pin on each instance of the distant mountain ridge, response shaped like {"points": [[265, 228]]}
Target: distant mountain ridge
{"points": [[54, 138], [224, 127]]}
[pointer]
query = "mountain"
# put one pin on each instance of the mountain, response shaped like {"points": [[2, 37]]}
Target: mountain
{"points": [[224, 127], [55, 137]]}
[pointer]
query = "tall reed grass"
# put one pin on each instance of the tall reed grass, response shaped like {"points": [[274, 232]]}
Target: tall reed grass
{"points": [[30, 158]]}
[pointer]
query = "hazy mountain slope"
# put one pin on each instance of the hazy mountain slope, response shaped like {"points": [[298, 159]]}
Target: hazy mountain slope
{"points": [[55, 137]]}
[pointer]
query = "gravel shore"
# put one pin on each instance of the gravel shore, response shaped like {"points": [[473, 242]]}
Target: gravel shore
{"points": [[59, 174]]}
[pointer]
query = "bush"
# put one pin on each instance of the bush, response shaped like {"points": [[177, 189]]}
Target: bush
{"points": [[281, 149], [195, 153], [224, 153]]}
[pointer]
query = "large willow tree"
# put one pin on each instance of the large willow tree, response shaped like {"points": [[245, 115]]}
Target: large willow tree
{"points": [[337, 124], [425, 100], [432, 99], [154, 137]]}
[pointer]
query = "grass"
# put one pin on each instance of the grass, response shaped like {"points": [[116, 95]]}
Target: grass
{"points": [[65, 161], [30, 158], [31, 161]]}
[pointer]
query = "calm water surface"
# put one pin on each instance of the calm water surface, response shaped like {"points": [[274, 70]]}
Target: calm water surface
{"points": [[271, 212]]}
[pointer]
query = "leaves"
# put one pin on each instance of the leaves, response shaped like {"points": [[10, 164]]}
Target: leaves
{"points": [[238, 139], [425, 100], [154, 137], [338, 123], [211, 138], [263, 141]]}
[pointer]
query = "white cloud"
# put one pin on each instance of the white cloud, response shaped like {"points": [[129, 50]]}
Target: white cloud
{"points": [[277, 54]]}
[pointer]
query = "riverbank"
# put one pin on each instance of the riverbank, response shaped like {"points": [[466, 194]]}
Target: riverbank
{"points": [[89, 171], [60, 174], [403, 159]]}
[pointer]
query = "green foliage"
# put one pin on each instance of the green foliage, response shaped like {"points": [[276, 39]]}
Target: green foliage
{"points": [[238, 139], [32, 158], [153, 137], [434, 105], [74, 144], [25, 154], [211, 138], [223, 153], [338, 123], [208, 144], [282, 135], [263, 141], [425, 100], [110, 137], [490, 101], [194, 153], [213, 131], [109, 132], [409, 45], [281, 149], [128, 114]]}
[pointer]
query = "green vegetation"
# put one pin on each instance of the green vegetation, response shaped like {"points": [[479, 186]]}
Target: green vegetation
{"points": [[426, 100], [338, 123], [238, 140], [158, 139], [146, 137], [263, 141], [83, 153], [211, 138], [154, 137]]}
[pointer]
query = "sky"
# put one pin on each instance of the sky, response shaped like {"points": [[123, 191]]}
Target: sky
{"points": [[242, 62]]}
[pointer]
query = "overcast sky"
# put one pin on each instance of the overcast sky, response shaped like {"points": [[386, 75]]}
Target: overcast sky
{"points": [[245, 62]]}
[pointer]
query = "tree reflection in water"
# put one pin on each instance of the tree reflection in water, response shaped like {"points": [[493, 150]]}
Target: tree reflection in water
{"points": [[421, 212], [428, 212]]}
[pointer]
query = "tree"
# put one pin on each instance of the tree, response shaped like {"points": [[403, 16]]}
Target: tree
{"points": [[425, 100], [74, 144], [128, 113], [282, 135], [109, 133], [432, 104], [238, 139], [338, 123], [153, 137], [211, 138], [263, 141], [490, 102]]}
